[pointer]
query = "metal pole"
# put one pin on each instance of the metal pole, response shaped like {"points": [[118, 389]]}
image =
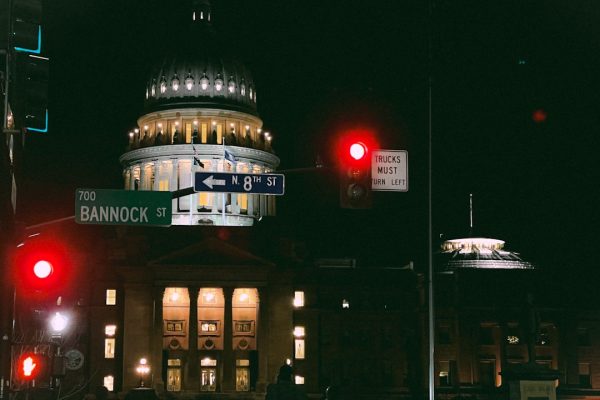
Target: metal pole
{"points": [[431, 319]]}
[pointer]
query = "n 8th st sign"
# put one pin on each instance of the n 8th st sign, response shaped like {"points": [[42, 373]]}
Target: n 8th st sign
{"points": [[122, 207]]}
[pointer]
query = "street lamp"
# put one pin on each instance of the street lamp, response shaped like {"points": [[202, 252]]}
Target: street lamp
{"points": [[59, 323], [143, 368]]}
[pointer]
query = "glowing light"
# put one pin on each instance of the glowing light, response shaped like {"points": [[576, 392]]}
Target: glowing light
{"points": [[42, 269], [345, 303], [209, 297], [244, 297], [358, 150], [29, 365], [174, 296], [299, 331], [59, 322], [298, 299]]}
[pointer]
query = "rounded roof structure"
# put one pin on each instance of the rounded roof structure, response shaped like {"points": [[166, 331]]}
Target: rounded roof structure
{"points": [[478, 253], [200, 72]]}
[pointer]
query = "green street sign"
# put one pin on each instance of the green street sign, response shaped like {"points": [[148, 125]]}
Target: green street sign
{"points": [[122, 207]]}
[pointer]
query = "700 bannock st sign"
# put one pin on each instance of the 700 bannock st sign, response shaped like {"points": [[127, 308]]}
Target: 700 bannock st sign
{"points": [[122, 207]]}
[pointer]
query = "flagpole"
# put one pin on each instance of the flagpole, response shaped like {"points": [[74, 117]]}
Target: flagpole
{"points": [[223, 194]]}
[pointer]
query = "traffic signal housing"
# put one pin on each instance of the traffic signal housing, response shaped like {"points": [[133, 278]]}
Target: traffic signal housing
{"points": [[29, 99], [42, 268], [27, 26], [354, 156]]}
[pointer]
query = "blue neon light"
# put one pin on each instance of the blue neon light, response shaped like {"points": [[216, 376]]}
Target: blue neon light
{"points": [[40, 130], [39, 44]]}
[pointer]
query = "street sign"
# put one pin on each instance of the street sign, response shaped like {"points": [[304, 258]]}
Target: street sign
{"points": [[226, 182], [122, 207], [389, 170]]}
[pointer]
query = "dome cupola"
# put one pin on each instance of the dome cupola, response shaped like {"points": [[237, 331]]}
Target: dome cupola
{"points": [[210, 69]]}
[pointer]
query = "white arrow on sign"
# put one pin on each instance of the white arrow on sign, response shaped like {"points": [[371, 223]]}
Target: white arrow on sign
{"points": [[210, 182]]}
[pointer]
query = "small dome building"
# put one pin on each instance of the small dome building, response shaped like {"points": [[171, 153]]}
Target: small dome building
{"points": [[199, 104]]}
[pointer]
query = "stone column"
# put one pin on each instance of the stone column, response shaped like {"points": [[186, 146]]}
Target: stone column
{"points": [[228, 362], [192, 381], [262, 345], [157, 340]]}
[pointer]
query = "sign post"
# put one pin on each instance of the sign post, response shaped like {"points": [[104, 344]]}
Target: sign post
{"points": [[389, 170], [226, 182], [122, 207]]}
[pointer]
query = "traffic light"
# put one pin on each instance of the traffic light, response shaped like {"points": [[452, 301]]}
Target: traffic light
{"points": [[42, 268], [27, 26], [29, 94], [355, 169], [29, 97], [30, 366]]}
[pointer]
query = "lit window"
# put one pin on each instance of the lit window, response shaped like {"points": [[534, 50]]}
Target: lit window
{"points": [[299, 349], [299, 331], [208, 362], [110, 330], [345, 303], [109, 348], [174, 375], [299, 380], [298, 299], [109, 382], [111, 297], [242, 375]]}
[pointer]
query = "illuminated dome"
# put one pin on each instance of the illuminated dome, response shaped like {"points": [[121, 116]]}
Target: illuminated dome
{"points": [[478, 253], [200, 71], [199, 105]]}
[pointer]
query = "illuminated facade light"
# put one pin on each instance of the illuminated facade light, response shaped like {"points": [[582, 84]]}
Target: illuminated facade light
{"points": [[175, 83], [189, 81], [163, 85], [512, 339], [204, 82], [219, 83], [345, 303], [231, 85]]}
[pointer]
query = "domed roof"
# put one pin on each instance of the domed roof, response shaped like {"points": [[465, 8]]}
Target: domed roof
{"points": [[480, 253], [200, 72]]}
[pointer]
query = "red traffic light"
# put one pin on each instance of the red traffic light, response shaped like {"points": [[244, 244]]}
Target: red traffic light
{"points": [[42, 269], [354, 159], [358, 150], [41, 265]]}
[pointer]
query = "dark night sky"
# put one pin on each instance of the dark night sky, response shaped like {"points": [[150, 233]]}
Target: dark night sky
{"points": [[320, 63]]}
